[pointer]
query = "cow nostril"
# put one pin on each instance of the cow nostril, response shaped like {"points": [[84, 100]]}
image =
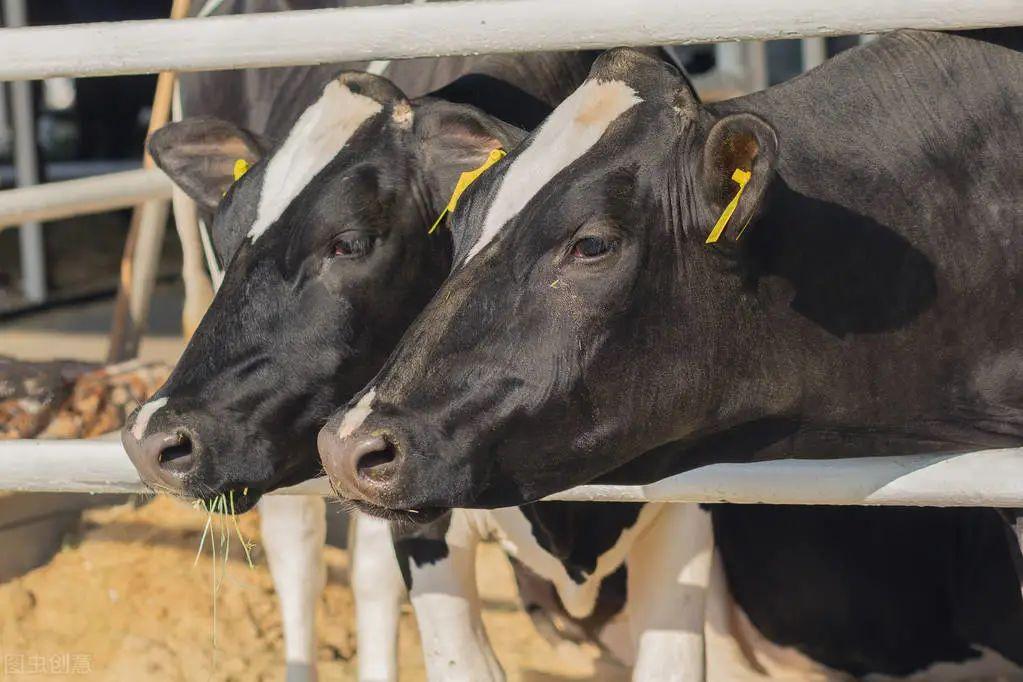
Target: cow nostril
{"points": [[177, 456], [373, 461]]}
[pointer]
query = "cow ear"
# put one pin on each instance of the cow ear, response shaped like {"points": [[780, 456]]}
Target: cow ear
{"points": [[199, 155], [738, 164], [455, 138]]}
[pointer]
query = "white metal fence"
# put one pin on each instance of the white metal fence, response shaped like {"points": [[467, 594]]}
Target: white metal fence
{"points": [[984, 478], [458, 28], [992, 478]]}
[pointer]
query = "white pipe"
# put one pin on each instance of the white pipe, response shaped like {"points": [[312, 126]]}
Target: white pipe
{"points": [[756, 60], [989, 478], [96, 194], [814, 52], [985, 478], [457, 28], [26, 169]]}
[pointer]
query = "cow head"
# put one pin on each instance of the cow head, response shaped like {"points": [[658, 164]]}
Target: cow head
{"points": [[328, 260], [577, 327]]}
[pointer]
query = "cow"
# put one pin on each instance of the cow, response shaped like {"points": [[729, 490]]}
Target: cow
{"points": [[293, 529], [362, 171], [267, 102], [648, 284], [863, 296]]}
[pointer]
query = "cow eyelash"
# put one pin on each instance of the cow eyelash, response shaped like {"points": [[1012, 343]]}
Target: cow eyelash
{"points": [[592, 247], [352, 245]]}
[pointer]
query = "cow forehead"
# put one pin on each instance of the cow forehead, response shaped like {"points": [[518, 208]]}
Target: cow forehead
{"points": [[317, 137], [568, 133]]}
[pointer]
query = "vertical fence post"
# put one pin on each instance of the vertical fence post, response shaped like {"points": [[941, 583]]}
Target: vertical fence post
{"points": [[142, 248], [756, 63], [742, 65], [728, 58], [26, 164], [815, 52]]}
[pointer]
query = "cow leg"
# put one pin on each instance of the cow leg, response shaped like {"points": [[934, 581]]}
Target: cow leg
{"points": [[378, 589], [294, 530], [669, 574], [439, 563]]}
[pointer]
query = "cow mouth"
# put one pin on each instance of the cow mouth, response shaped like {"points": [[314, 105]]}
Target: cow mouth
{"points": [[412, 517], [233, 501]]}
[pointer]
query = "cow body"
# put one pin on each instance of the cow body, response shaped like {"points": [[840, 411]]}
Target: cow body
{"points": [[789, 593], [870, 593]]}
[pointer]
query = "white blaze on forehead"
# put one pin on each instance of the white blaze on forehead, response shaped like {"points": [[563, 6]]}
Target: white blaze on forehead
{"points": [[146, 412], [568, 133], [316, 138], [354, 417]]}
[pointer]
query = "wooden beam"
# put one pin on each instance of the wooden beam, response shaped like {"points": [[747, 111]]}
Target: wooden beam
{"points": [[142, 248]]}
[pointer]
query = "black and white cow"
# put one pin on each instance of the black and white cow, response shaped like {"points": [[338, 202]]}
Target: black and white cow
{"points": [[870, 305], [256, 108], [863, 298], [591, 557], [329, 257], [267, 102]]}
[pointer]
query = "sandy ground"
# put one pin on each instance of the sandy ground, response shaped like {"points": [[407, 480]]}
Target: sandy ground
{"points": [[123, 601]]}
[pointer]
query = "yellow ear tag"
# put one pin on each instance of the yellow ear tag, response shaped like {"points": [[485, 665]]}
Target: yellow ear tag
{"points": [[740, 177], [241, 167], [464, 180]]}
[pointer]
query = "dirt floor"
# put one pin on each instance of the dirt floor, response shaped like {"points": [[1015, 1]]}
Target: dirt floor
{"points": [[123, 601]]}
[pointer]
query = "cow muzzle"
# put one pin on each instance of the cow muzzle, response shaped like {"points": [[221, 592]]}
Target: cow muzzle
{"points": [[163, 459], [361, 467], [367, 470]]}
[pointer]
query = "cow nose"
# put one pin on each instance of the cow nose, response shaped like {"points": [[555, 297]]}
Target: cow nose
{"points": [[363, 465], [174, 453], [163, 459]]}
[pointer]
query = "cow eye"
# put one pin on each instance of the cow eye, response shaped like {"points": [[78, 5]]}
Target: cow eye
{"points": [[588, 248], [352, 245]]}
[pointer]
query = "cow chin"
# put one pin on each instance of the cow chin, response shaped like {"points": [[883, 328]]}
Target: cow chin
{"points": [[403, 517]]}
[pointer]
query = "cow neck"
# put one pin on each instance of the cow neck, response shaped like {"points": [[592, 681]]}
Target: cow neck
{"points": [[845, 367]]}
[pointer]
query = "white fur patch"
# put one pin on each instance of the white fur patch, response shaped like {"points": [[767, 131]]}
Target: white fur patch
{"points": [[354, 417], [447, 605], [316, 138], [146, 412], [568, 133], [516, 536], [379, 591]]}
